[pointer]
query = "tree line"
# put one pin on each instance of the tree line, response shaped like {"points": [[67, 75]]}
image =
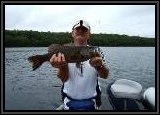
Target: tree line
{"points": [[24, 38]]}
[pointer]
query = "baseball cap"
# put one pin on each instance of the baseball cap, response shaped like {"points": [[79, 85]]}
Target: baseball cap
{"points": [[81, 23]]}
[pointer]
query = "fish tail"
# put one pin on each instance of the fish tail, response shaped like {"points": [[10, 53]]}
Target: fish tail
{"points": [[36, 61]]}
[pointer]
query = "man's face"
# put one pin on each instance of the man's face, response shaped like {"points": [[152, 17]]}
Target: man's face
{"points": [[81, 33]]}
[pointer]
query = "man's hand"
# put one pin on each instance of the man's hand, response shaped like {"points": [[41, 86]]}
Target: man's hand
{"points": [[96, 62], [58, 61]]}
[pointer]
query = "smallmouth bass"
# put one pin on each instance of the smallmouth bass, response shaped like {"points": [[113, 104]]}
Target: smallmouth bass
{"points": [[73, 54]]}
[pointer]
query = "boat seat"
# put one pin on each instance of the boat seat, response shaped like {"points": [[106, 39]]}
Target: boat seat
{"points": [[124, 88], [149, 96]]}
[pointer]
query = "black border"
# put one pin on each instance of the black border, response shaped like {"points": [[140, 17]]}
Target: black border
{"points": [[3, 3]]}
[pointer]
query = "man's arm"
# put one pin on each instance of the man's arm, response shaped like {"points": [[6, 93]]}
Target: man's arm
{"points": [[100, 66], [63, 73], [60, 63]]}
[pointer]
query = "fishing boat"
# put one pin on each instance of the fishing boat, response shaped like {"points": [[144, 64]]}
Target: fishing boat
{"points": [[124, 94]]}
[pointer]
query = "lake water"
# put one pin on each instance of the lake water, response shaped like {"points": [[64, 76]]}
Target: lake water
{"points": [[40, 90]]}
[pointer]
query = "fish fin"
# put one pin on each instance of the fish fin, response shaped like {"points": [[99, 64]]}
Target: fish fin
{"points": [[36, 61]]}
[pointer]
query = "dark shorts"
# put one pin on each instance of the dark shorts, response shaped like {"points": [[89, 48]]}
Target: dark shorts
{"points": [[87, 104]]}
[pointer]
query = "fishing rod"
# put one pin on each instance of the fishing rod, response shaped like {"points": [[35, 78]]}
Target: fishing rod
{"points": [[98, 48]]}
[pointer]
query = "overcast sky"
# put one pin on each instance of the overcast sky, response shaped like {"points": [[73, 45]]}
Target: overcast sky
{"points": [[132, 20]]}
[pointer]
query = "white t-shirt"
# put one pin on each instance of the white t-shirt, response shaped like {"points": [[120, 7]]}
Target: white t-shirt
{"points": [[81, 84]]}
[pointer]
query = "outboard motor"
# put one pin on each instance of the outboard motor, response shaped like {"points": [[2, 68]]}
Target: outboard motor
{"points": [[123, 94]]}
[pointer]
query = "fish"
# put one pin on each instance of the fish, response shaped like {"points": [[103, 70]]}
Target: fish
{"points": [[73, 54]]}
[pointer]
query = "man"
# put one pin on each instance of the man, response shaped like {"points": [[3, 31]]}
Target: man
{"points": [[80, 80]]}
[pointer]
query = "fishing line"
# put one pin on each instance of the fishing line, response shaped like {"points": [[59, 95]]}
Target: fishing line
{"points": [[38, 72], [98, 34], [99, 49]]}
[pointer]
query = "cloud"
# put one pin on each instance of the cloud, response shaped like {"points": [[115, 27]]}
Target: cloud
{"points": [[117, 19]]}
